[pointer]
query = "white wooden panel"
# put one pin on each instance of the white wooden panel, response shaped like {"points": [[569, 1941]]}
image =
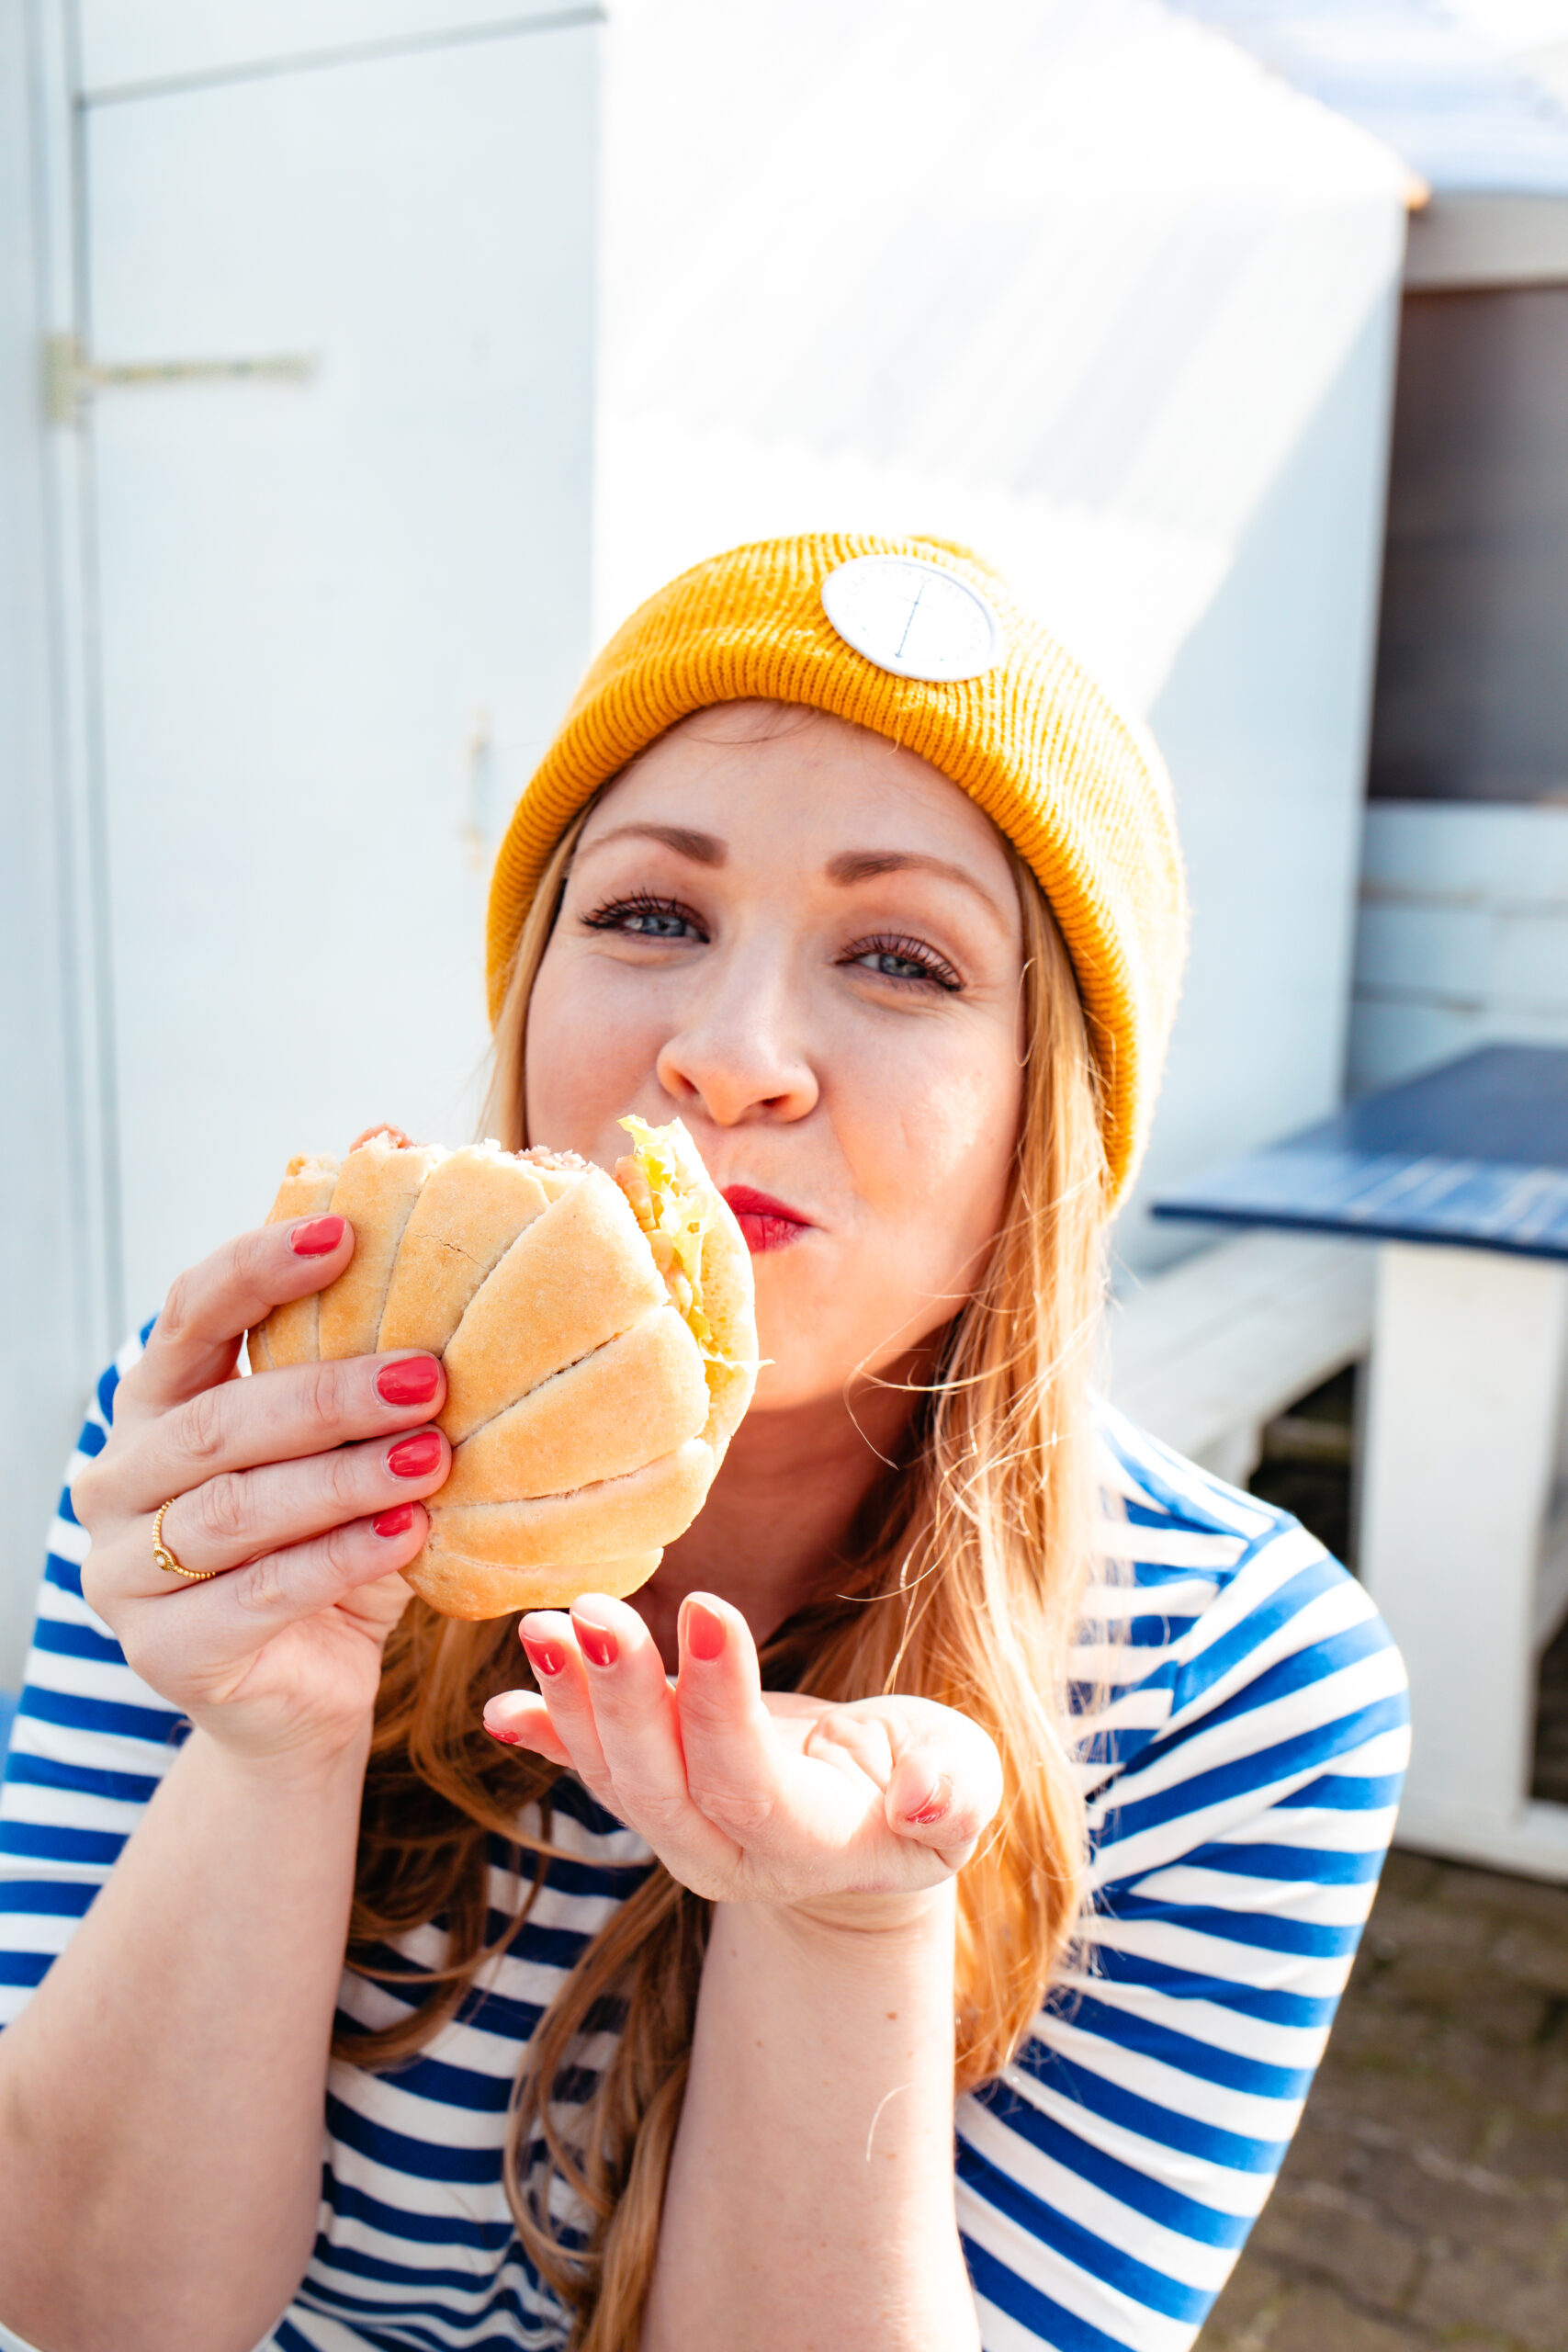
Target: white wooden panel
{"points": [[1466, 849], [1409, 942], [1529, 956], [136, 42], [1464, 1433], [310, 594], [1221, 1344], [1463, 934]]}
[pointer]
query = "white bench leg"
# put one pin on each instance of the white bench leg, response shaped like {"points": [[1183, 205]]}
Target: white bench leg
{"points": [[1463, 1426]]}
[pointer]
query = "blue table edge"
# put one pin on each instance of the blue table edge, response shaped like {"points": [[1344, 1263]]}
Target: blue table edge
{"points": [[1373, 1229]]}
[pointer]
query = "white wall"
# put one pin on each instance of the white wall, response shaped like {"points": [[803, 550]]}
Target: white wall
{"points": [[1264, 722], [323, 628], [1079, 283], [317, 600], [54, 1282], [134, 45]]}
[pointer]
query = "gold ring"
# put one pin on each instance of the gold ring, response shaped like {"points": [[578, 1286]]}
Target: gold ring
{"points": [[166, 1559]]}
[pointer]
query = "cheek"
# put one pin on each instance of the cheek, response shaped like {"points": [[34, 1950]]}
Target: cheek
{"points": [[585, 1062], [951, 1119]]}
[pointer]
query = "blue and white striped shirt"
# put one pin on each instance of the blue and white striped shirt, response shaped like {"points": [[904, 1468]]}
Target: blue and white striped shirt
{"points": [[1253, 1743]]}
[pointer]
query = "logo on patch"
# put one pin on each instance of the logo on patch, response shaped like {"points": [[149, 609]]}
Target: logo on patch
{"points": [[913, 617]]}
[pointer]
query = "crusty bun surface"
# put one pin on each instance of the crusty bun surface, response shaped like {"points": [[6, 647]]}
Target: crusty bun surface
{"points": [[598, 1336]]}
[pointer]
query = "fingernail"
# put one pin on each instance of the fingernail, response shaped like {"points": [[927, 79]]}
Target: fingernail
{"points": [[706, 1634], [412, 1382], [507, 1738], [596, 1642], [394, 1522], [317, 1237], [414, 1457], [936, 1805], [545, 1657]]}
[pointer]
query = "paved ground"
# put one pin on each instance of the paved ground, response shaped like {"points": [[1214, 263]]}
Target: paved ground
{"points": [[1425, 2202]]}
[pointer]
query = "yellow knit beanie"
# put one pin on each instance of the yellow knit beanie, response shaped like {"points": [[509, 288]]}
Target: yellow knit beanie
{"points": [[1075, 787]]}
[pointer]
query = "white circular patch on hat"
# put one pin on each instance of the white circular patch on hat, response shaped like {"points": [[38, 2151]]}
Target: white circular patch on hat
{"points": [[913, 617]]}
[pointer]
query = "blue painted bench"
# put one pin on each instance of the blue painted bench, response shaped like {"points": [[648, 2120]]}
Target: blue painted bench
{"points": [[1460, 1180]]}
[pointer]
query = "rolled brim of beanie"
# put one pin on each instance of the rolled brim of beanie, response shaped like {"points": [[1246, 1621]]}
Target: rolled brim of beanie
{"points": [[1035, 742]]}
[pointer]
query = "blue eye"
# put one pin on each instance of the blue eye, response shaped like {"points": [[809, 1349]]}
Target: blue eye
{"points": [[908, 961], [644, 917], [652, 924]]}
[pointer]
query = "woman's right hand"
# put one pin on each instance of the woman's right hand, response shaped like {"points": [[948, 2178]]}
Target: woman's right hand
{"points": [[300, 1486]]}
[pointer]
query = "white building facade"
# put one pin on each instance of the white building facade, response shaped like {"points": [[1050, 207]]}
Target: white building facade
{"points": [[399, 345]]}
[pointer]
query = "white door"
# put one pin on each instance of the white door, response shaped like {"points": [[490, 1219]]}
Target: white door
{"points": [[338, 613]]}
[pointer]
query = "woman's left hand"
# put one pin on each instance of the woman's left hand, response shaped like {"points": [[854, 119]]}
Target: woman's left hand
{"points": [[746, 1794]]}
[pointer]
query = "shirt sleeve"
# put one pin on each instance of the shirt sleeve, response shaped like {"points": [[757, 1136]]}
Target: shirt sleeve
{"points": [[89, 1745], [1108, 2179]]}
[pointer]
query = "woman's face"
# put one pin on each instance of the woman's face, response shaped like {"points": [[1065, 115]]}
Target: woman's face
{"points": [[804, 942]]}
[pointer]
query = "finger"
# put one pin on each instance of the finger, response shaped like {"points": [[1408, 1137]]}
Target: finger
{"points": [[551, 1643], [732, 1759], [305, 1578], [521, 1719], [943, 1793], [245, 1610], [283, 1416], [236, 1517], [639, 1733], [196, 1340]]}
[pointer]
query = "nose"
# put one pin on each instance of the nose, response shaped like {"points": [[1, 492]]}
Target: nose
{"points": [[740, 1054]]}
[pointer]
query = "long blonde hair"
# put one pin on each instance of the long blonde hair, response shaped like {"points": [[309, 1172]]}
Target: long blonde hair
{"points": [[964, 1584]]}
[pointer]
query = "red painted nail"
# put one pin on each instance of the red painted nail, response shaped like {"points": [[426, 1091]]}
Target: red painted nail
{"points": [[507, 1738], [706, 1634], [318, 1236], [412, 1382], [396, 1521], [414, 1457], [596, 1642], [936, 1805], [545, 1657]]}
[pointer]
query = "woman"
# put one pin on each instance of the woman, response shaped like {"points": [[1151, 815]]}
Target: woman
{"points": [[840, 859]]}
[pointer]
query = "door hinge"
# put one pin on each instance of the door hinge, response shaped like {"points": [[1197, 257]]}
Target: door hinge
{"points": [[71, 379]]}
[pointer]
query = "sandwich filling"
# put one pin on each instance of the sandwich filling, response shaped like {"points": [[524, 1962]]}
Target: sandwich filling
{"points": [[674, 1209]]}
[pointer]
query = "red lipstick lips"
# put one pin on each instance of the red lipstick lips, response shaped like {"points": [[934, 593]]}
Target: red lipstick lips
{"points": [[766, 1223]]}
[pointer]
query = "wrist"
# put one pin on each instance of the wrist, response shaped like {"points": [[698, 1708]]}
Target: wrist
{"points": [[921, 1920], [311, 1773]]}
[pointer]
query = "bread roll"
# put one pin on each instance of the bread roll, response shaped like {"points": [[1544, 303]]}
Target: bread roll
{"points": [[597, 1333]]}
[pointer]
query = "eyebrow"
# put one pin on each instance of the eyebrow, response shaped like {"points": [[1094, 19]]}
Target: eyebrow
{"points": [[853, 865], [703, 849], [850, 866]]}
